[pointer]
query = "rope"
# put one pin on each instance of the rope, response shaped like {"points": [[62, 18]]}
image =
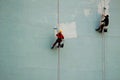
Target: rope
{"points": [[58, 72], [58, 67], [103, 43], [103, 56], [58, 12]]}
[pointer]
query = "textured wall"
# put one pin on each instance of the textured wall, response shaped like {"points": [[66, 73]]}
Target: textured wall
{"points": [[26, 34]]}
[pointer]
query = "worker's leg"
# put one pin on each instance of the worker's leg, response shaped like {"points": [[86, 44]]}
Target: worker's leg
{"points": [[101, 28], [98, 28], [59, 43], [105, 29], [54, 44]]}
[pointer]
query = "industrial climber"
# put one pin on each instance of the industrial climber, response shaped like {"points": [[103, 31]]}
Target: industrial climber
{"points": [[59, 39], [104, 24]]}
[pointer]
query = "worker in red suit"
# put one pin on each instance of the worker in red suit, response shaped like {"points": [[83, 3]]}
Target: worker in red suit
{"points": [[59, 39]]}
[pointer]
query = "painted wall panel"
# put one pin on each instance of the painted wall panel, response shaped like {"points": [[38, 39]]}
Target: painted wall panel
{"points": [[26, 35]]}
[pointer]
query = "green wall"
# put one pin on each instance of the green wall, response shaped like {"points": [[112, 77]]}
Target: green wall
{"points": [[26, 34]]}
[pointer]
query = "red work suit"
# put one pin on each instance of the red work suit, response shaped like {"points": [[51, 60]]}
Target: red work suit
{"points": [[59, 39]]}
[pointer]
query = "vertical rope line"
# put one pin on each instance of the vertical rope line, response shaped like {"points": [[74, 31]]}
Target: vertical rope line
{"points": [[58, 74], [104, 7], [103, 56], [58, 66], [102, 3], [58, 12], [103, 43]]}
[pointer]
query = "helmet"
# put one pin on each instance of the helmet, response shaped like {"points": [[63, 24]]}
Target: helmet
{"points": [[60, 30], [107, 15]]}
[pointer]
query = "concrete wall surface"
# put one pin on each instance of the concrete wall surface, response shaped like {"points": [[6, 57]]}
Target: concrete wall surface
{"points": [[26, 35]]}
